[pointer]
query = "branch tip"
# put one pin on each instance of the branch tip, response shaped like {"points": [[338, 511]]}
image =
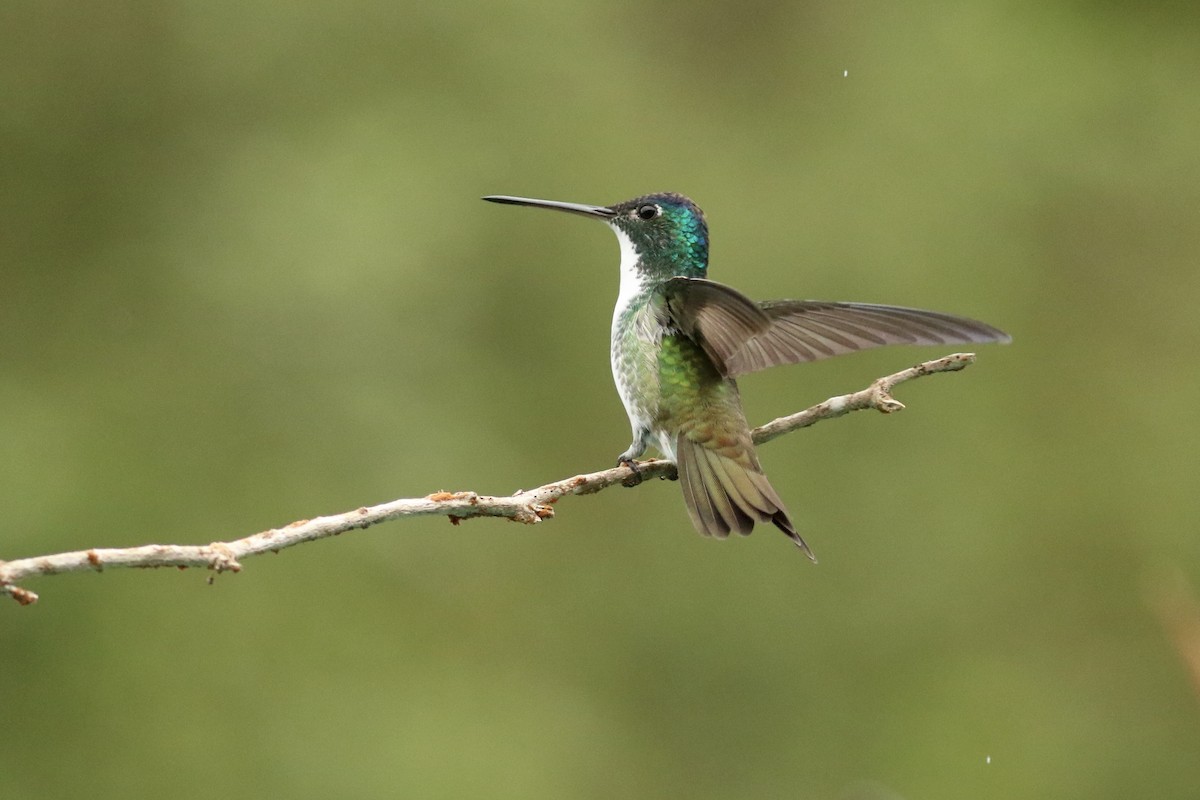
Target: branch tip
{"points": [[22, 596]]}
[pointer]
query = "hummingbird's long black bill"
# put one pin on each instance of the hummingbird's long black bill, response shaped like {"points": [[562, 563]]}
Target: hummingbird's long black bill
{"points": [[596, 212]]}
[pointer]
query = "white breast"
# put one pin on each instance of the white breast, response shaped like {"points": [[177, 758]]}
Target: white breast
{"points": [[631, 280], [634, 343]]}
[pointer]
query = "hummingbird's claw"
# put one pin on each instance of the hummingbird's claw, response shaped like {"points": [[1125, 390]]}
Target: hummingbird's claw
{"points": [[636, 477]]}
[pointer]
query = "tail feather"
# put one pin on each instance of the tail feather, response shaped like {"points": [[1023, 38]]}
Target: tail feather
{"points": [[697, 500], [723, 496], [738, 517]]}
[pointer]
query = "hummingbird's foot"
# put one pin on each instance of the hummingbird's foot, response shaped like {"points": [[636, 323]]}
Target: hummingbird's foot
{"points": [[673, 475], [636, 477]]}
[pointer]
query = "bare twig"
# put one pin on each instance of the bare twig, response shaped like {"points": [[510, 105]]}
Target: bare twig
{"points": [[528, 506]]}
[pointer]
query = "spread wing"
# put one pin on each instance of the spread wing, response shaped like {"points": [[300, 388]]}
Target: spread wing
{"points": [[720, 319], [742, 336], [809, 330]]}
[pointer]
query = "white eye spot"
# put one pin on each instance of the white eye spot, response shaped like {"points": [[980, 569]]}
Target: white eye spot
{"points": [[648, 211]]}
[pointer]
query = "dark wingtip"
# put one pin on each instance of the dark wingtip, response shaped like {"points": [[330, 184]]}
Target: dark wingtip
{"points": [[807, 550], [784, 524], [992, 334]]}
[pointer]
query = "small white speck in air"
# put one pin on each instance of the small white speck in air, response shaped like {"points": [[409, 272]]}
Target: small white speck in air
{"points": [[987, 760], [845, 73]]}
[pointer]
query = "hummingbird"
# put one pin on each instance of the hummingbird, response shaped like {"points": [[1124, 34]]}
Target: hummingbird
{"points": [[680, 340]]}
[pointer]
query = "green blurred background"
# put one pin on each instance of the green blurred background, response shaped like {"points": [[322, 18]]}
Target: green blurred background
{"points": [[245, 278]]}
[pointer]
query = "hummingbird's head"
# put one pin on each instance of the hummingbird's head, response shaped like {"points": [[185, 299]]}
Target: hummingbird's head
{"points": [[667, 231], [662, 235]]}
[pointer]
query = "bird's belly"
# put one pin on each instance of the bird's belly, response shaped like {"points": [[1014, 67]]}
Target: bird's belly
{"points": [[635, 372]]}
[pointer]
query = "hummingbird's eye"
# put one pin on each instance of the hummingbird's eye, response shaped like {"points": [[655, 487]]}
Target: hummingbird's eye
{"points": [[648, 211]]}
